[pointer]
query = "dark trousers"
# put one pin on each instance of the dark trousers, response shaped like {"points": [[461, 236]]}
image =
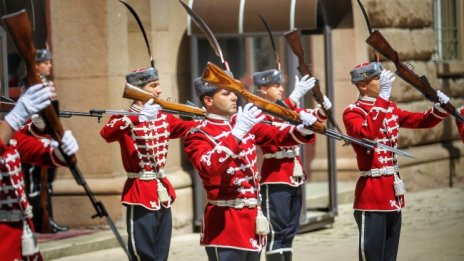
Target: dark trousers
{"points": [[149, 233], [231, 254], [282, 206], [33, 184], [379, 234]]}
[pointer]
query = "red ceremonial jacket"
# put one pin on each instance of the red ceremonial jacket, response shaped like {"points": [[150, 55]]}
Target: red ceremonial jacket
{"points": [[461, 125], [380, 120], [14, 205], [229, 173], [280, 163], [144, 148]]}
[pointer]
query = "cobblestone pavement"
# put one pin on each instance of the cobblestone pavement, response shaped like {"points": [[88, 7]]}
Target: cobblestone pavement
{"points": [[433, 229]]}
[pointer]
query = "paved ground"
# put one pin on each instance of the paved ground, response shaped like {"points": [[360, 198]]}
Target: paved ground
{"points": [[433, 229]]}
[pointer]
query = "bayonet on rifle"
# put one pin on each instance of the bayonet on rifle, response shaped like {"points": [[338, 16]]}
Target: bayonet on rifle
{"points": [[216, 76]]}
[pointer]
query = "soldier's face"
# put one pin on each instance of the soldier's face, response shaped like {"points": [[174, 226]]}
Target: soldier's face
{"points": [[272, 92], [370, 88], [44, 68], [153, 88], [222, 103]]}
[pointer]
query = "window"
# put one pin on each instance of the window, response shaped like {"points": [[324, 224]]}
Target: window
{"points": [[448, 15]]}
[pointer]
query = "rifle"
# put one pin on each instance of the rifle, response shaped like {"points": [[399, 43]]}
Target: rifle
{"points": [[98, 113], [216, 76], [45, 216], [293, 39], [379, 43], [6, 106], [134, 93], [20, 30], [69, 114]]}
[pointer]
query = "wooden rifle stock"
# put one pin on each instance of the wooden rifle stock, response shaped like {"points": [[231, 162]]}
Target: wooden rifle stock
{"points": [[293, 39], [379, 43], [45, 216], [135, 93], [20, 30], [216, 76]]}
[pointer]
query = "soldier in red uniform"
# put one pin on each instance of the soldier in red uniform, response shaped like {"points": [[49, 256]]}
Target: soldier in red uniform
{"points": [[147, 194], [282, 175], [222, 148], [379, 194], [17, 241], [460, 124]]}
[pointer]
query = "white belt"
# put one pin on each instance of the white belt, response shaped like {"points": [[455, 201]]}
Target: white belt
{"points": [[11, 215], [385, 171], [146, 175], [236, 203], [282, 154]]}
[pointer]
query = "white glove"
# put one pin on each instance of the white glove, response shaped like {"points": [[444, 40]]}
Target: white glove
{"points": [[149, 111], [69, 143], [442, 98], [38, 122], [386, 81], [302, 87], [326, 103], [246, 119], [308, 119], [32, 101]]}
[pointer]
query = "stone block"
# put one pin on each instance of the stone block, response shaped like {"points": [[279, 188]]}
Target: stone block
{"points": [[76, 211], [79, 43], [417, 44], [453, 87], [435, 166], [172, 18], [400, 13]]}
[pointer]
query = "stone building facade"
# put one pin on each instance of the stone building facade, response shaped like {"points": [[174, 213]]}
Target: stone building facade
{"points": [[95, 43]]}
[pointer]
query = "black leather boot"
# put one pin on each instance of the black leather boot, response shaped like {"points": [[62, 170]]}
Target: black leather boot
{"points": [[55, 228], [288, 256], [36, 212], [275, 257]]}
